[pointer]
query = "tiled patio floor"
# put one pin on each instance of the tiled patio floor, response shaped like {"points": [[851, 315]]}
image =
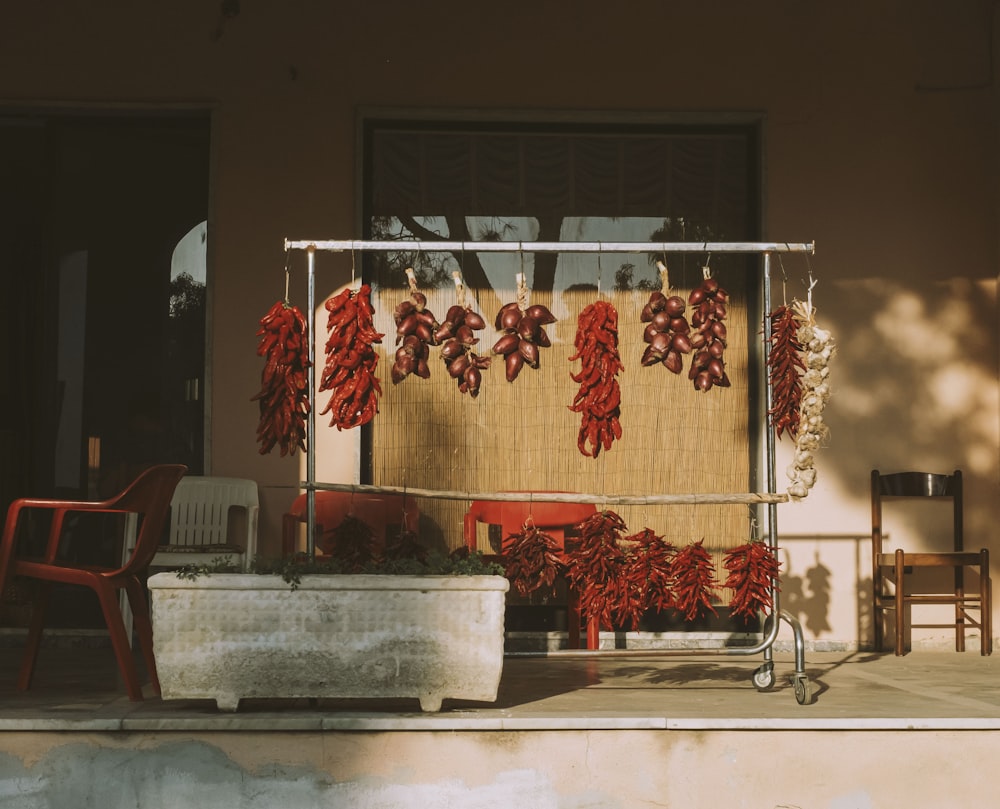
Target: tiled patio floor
{"points": [[79, 689]]}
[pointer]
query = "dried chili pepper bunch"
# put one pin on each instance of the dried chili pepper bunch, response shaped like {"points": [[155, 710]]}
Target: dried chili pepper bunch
{"points": [[595, 567], [785, 367], [523, 330], [283, 399], [598, 399], [812, 431], [405, 545], [667, 329], [753, 572], [694, 583], [351, 359], [457, 338], [415, 329], [351, 544], [647, 574], [532, 560], [708, 338]]}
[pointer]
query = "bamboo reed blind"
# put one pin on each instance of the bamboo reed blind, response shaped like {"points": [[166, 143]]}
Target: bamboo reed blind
{"points": [[521, 436]]}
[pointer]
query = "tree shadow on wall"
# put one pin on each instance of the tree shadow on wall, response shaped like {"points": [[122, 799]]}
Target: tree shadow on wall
{"points": [[913, 382]]}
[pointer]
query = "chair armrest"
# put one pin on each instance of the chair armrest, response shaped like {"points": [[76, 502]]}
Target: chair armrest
{"points": [[60, 509]]}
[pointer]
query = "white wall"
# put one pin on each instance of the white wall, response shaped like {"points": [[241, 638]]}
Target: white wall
{"points": [[880, 141]]}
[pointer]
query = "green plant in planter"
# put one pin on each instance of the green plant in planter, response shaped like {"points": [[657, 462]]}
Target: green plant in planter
{"points": [[293, 568]]}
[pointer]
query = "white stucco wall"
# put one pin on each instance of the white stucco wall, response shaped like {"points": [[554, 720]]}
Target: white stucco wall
{"points": [[880, 144]]}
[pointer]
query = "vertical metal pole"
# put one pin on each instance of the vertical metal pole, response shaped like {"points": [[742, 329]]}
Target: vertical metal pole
{"points": [[772, 508], [311, 418], [769, 463]]}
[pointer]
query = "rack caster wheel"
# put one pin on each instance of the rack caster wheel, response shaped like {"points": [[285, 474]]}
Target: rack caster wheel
{"points": [[763, 677], [801, 685]]}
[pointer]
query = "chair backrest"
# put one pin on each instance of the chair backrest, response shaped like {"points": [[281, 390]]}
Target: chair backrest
{"points": [[511, 515], [149, 495], [199, 512], [381, 512], [916, 485]]}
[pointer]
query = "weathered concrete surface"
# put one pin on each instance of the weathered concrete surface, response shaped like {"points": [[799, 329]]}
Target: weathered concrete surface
{"points": [[543, 770], [233, 636]]}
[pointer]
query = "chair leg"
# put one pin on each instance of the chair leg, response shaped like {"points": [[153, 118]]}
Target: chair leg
{"points": [[900, 618], [960, 608], [39, 606], [878, 619], [985, 607], [108, 596], [573, 619], [137, 598]]}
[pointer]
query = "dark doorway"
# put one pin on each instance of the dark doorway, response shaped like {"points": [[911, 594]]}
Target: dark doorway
{"points": [[102, 245]]}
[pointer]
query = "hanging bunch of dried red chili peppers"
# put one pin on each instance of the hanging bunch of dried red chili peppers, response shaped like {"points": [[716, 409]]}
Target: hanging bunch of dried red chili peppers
{"points": [[784, 368], [694, 581], [351, 359], [284, 385], [599, 397], [405, 545], [648, 575], [645, 577], [753, 571], [351, 544], [532, 560], [595, 567]]}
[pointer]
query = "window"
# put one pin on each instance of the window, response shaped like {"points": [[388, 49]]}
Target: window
{"points": [[462, 180]]}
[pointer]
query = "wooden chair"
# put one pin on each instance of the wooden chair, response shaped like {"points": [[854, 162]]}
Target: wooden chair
{"points": [[385, 514], [149, 496], [554, 519], [898, 567]]}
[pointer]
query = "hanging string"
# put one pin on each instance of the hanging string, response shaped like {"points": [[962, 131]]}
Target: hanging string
{"points": [[784, 281], [459, 288], [664, 275], [754, 527], [809, 292], [288, 259], [522, 291], [599, 270]]}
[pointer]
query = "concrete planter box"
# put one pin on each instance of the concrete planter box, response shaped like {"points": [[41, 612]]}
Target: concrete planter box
{"points": [[232, 636]]}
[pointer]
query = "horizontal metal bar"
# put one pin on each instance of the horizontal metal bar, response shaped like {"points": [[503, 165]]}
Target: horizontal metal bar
{"points": [[735, 498], [391, 246]]}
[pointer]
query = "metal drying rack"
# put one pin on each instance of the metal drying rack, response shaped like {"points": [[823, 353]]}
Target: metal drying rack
{"points": [[764, 676]]}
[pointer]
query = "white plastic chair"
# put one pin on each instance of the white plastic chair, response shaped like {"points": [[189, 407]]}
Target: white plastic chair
{"points": [[199, 522], [199, 526]]}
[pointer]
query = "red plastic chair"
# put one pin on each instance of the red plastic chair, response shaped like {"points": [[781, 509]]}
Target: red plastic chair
{"points": [[554, 519], [383, 513], [149, 496]]}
